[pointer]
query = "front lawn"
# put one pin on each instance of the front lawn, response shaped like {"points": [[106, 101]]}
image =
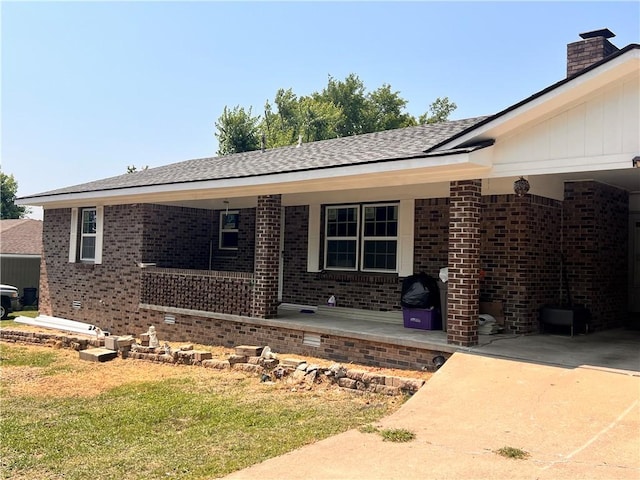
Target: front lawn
{"points": [[64, 418]]}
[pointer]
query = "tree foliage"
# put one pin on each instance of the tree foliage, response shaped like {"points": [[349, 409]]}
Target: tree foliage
{"points": [[8, 191], [134, 169], [342, 108], [439, 111], [237, 131]]}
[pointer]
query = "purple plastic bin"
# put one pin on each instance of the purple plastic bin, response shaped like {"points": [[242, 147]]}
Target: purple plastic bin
{"points": [[424, 319]]}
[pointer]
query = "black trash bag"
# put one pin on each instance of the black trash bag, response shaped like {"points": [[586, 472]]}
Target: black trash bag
{"points": [[420, 291]]}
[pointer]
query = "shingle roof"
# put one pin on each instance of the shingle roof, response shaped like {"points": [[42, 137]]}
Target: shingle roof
{"points": [[21, 237], [359, 149]]}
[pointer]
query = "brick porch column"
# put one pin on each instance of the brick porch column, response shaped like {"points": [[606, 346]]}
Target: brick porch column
{"points": [[464, 262], [267, 257]]}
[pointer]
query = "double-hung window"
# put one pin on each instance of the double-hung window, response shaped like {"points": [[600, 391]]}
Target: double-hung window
{"points": [[362, 237], [341, 244], [85, 241], [229, 230], [88, 231]]}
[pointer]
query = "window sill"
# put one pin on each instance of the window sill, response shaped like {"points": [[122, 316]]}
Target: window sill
{"points": [[376, 278]]}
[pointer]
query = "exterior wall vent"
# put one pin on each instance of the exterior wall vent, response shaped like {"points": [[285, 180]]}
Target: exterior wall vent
{"points": [[311, 339], [169, 319], [77, 304]]}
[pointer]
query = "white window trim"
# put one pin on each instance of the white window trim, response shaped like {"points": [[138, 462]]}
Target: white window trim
{"points": [[313, 240], [222, 230], [364, 238], [99, 234], [83, 235], [406, 229], [74, 236], [404, 255], [327, 238]]}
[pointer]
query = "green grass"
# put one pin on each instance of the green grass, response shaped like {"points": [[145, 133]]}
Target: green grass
{"points": [[398, 435], [178, 428], [511, 452], [21, 313], [17, 356]]}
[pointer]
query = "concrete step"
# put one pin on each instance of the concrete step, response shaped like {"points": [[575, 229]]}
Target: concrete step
{"points": [[98, 354]]}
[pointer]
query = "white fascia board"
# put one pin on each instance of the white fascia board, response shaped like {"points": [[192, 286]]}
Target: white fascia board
{"points": [[566, 165], [436, 167], [550, 101]]}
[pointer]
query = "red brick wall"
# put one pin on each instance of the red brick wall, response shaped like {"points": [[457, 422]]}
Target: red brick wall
{"points": [[242, 259], [229, 334], [108, 293], [351, 289], [584, 53], [209, 291], [520, 256], [464, 262], [177, 237], [431, 230], [267, 259], [596, 239]]}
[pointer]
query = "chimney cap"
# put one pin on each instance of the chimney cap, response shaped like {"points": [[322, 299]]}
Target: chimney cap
{"points": [[605, 32]]}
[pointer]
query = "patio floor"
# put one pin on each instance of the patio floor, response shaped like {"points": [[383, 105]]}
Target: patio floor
{"points": [[612, 349]]}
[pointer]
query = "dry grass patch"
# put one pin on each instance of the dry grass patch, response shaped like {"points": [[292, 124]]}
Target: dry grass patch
{"points": [[65, 418]]}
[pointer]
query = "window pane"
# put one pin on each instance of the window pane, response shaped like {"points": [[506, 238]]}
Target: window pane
{"points": [[342, 222], [229, 240], [341, 253], [88, 248], [230, 221], [380, 255], [88, 221], [381, 221]]}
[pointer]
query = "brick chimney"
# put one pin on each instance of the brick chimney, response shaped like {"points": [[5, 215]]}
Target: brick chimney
{"points": [[593, 47]]}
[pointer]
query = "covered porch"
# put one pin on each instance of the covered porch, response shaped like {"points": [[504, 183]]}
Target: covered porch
{"points": [[617, 349], [350, 335]]}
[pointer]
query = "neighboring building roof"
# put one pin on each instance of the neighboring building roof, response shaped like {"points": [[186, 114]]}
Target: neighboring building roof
{"points": [[21, 237], [359, 149]]}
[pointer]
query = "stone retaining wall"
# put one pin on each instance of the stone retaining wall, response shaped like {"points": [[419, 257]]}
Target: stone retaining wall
{"points": [[270, 369]]}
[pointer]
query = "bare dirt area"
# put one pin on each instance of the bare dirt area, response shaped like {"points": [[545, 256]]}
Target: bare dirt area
{"points": [[101, 377]]}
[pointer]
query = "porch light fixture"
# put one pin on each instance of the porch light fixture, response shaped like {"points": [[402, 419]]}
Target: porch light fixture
{"points": [[521, 186]]}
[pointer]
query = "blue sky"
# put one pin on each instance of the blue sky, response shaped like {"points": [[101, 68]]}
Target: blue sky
{"points": [[89, 88]]}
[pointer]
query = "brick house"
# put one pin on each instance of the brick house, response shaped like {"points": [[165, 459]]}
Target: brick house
{"points": [[208, 249]]}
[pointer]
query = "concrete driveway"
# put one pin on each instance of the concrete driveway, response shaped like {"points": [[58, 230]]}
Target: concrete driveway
{"points": [[575, 424]]}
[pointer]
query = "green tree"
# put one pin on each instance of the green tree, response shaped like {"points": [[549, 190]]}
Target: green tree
{"points": [[237, 131], [387, 110], [349, 95], [8, 190], [439, 111], [342, 108], [133, 168]]}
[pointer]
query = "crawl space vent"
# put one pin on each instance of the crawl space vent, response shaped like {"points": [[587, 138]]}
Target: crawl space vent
{"points": [[170, 319], [76, 304], [311, 339]]}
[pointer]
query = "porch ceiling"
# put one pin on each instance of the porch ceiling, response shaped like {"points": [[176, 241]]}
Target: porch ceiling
{"points": [[545, 185]]}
